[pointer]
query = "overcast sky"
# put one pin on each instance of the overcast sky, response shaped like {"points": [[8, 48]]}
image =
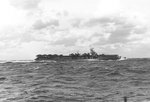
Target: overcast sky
{"points": [[31, 27]]}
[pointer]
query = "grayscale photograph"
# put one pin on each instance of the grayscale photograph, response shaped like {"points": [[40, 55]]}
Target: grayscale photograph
{"points": [[74, 50]]}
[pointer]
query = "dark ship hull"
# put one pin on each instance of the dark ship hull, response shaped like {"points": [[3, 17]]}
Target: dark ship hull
{"points": [[109, 57]]}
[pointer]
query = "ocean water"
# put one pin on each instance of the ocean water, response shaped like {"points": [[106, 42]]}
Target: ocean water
{"points": [[75, 81]]}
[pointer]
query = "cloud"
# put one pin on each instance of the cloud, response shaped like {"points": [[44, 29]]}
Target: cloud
{"points": [[25, 50], [39, 24], [25, 4], [65, 34], [121, 34], [118, 28], [90, 32], [98, 21], [67, 42], [76, 22]]}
